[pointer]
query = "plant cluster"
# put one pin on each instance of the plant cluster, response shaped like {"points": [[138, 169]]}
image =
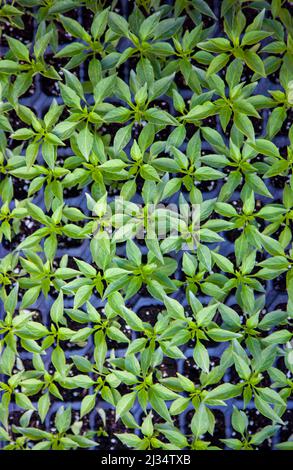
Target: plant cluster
{"points": [[108, 338]]}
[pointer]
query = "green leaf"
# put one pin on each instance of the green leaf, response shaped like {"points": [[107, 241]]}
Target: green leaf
{"points": [[118, 24], [200, 421], [241, 366], [100, 349], [43, 406], [271, 396], [157, 116], [125, 403], [218, 334], [99, 23]]}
